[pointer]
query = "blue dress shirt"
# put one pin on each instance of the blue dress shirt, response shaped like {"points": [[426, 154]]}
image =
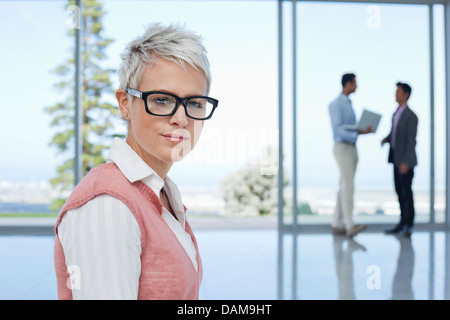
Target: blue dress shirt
{"points": [[342, 114]]}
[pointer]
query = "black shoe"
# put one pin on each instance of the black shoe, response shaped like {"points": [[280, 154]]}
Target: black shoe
{"points": [[407, 231], [395, 229]]}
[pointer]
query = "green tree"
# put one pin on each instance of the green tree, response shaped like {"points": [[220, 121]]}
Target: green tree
{"points": [[305, 208], [98, 116]]}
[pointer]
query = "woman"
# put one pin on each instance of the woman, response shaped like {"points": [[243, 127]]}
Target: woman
{"points": [[123, 234]]}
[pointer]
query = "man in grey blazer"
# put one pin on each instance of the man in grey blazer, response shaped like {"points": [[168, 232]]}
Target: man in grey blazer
{"points": [[402, 155]]}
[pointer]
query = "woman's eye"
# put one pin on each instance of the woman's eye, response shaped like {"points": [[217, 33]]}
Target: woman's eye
{"points": [[195, 104], [161, 101]]}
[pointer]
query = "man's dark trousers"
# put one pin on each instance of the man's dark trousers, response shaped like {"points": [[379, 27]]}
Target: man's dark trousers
{"points": [[403, 187]]}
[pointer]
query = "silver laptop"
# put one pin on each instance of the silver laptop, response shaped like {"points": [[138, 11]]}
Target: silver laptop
{"points": [[368, 118]]}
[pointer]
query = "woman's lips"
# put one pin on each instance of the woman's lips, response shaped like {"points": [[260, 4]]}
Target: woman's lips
{"points": [[175, 137]]}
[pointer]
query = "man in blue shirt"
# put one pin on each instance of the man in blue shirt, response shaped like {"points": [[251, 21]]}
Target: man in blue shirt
{"points": [[344, 149]]}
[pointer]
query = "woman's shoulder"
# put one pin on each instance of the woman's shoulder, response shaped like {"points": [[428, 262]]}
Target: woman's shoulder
{"points": [[105, 170], [102, 203], [103, 179], [103, 212]]}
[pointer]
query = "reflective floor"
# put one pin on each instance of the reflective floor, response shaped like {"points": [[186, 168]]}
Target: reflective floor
{"points": [[263, 264]]}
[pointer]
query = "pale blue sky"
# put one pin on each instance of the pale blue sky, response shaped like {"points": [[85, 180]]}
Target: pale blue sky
{"points": [[241, 39]]}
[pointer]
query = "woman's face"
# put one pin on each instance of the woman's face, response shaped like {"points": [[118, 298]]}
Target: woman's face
{"points": [[160, 141]]}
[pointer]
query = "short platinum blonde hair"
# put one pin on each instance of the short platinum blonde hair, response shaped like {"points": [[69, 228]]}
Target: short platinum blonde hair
{"points": [[173, 42]]}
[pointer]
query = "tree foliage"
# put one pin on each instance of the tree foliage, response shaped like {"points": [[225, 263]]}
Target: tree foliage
{"points": [[98, 116]]}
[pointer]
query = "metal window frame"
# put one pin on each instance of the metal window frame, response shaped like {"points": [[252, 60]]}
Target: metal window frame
{"points": [[447, 114], [78, 161]]}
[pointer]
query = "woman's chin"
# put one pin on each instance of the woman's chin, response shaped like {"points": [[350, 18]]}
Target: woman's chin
{"points": [[177, 152], [177, 155], [170, 153]]}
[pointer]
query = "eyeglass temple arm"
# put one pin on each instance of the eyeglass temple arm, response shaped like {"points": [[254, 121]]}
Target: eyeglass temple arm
{"points": [[134, 92]]}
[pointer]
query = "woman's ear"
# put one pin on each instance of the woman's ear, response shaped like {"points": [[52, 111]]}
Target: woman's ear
{"points": [[122, 100]]}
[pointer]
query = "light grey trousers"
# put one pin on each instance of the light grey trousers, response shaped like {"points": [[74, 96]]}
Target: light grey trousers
{"points": [[347, 159]]}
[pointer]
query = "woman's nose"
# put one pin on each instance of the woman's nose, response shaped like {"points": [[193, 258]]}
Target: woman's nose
{"points": [[179, 118]]}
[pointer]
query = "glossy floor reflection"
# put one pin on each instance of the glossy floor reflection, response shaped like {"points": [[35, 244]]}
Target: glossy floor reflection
{"points": [[370, 266], [263, 264]]}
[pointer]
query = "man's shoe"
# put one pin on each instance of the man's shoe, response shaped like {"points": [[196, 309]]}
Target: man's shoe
{"points": [[395, 229], [407, 231], [356, 229], [338, 231]]}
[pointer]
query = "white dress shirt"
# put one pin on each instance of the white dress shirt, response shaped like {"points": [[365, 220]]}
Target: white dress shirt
{"points": [[102, 238]]}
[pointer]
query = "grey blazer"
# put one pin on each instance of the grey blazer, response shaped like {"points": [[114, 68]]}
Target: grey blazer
{"points": [[405, 139]]}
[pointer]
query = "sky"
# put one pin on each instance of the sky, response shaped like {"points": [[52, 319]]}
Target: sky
{"points": [[382, 45]]}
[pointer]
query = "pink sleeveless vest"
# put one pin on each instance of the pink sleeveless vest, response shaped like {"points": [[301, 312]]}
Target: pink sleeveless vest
{"points": [[166, 271]]}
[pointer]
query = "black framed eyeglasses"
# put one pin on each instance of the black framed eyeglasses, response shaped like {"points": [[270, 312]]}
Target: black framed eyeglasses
{"points": [[162, 104]]}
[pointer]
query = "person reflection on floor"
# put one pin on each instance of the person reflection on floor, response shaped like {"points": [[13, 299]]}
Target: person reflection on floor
{"points": [[401, 284], [344, 265]]}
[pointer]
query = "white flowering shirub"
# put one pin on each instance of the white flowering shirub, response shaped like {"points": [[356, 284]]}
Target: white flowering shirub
{"points": [[251, 191]]}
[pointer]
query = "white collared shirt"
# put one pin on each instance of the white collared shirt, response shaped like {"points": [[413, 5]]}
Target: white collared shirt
{"points": [[102, 237]]}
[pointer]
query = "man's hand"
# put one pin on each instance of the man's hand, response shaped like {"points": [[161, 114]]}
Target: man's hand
{"points": [[383, 141], [403, 169], [368, 130]]}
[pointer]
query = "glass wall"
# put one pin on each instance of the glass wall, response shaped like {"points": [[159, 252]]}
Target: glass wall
{"points": [[242, 134], [31, 51], [382, 44]]}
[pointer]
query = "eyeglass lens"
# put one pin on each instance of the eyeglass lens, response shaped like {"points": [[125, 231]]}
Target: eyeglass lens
{"points": [[163, 104]]}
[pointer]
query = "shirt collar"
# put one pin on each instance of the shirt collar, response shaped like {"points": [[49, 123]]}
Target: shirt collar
{"points": [[175, 200], [132, 166], [344, 96]]}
